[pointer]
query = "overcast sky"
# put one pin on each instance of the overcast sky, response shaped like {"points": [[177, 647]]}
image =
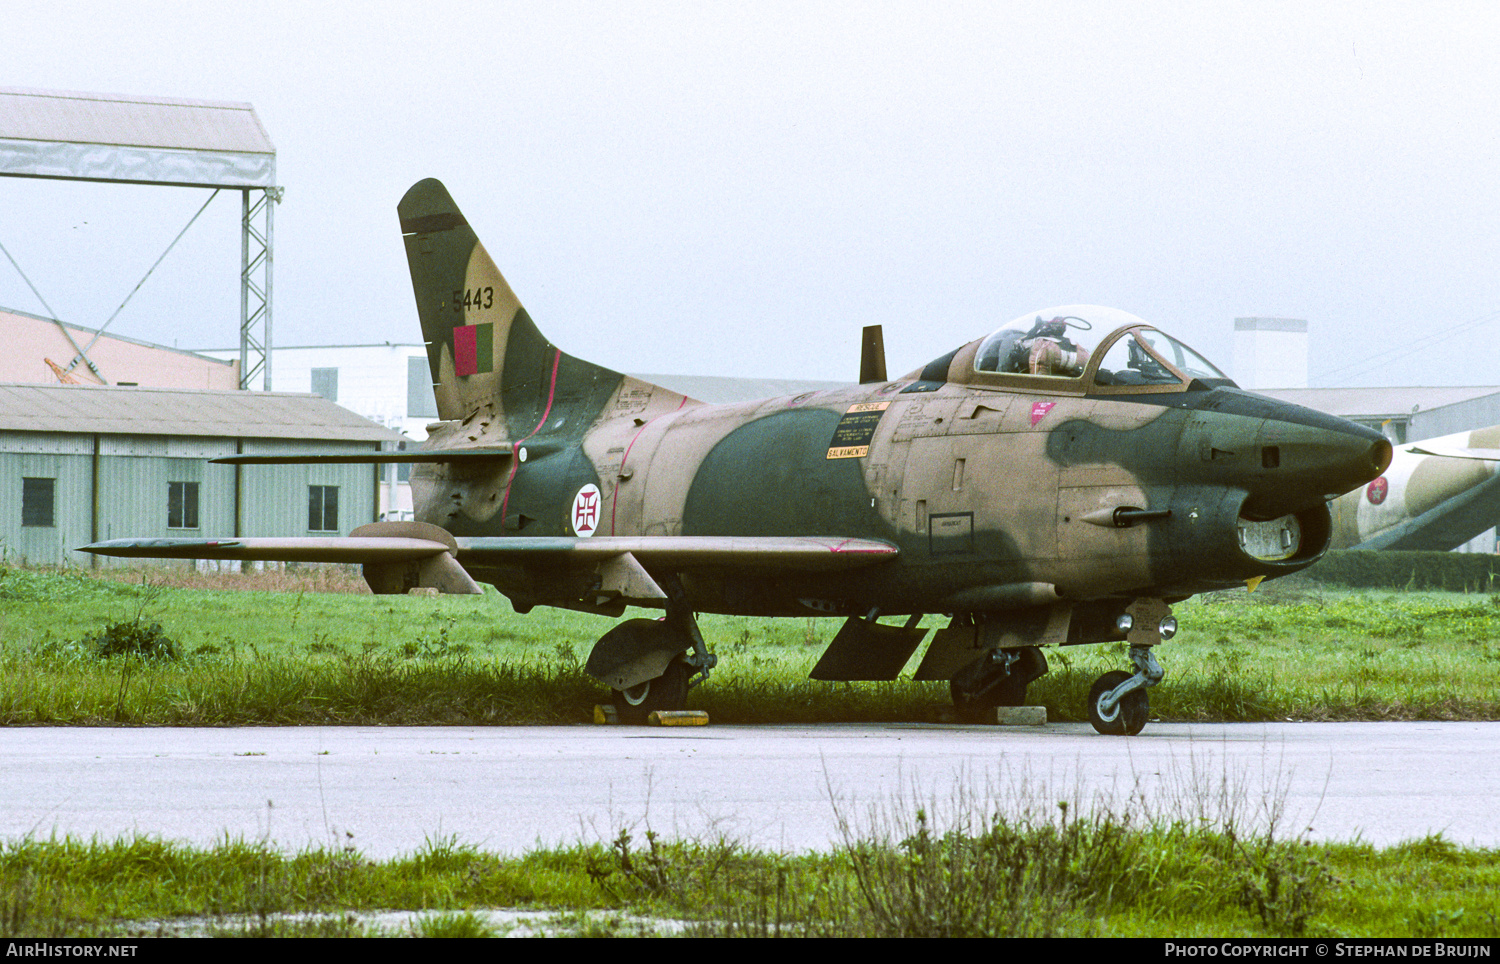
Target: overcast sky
{"points": [[737, 188]]}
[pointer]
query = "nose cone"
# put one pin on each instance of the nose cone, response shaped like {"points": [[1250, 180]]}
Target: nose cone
{"points": [[1309, 457]]}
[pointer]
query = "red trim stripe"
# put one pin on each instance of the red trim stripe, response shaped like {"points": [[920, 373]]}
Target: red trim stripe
{"points": [[614, 495], [515, 461]]}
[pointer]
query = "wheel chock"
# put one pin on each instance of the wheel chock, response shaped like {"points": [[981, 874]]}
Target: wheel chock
{"points": [[677, 718], [1021, 715], [605, 713]]}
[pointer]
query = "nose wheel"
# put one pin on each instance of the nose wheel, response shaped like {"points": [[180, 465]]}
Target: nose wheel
{"points": [[1121, 716], [1118, 704]]}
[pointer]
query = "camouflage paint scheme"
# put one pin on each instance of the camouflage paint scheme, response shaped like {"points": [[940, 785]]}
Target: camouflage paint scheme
{"points": [[1436, 495], [1033, 509], [666, 465]]}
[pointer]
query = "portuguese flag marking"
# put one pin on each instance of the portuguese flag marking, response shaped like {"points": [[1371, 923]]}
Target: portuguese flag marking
{"points": [[473, 349]]}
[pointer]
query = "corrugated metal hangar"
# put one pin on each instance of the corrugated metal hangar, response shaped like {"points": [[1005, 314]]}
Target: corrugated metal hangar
{"points": [[83, 463]]}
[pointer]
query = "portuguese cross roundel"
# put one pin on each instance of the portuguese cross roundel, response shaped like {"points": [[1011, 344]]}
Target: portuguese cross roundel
{"points": [[586, 504]]}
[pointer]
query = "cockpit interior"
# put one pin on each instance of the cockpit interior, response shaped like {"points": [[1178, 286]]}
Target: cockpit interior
{"points": [[1113, 348]]}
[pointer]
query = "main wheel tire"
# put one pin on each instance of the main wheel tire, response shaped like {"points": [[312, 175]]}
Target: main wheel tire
{"points": [[980, 707], [976, 706], [667, 692], [1129, 715]]}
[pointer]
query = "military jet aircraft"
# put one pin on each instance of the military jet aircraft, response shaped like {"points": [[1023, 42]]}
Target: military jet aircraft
{"points": [[1435, 495], [1062, 480]]}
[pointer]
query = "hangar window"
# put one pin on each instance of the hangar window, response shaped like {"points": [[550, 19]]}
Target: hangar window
{"points": [[182, 505], [323, 508], [37, 502]]}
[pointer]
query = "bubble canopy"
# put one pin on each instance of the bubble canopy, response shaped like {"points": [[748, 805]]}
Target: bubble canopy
{"points": [[1113, 348]]}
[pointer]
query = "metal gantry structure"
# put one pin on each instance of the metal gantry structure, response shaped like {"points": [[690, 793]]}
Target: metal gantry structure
{"points": [[170, 142], [257, 231]]}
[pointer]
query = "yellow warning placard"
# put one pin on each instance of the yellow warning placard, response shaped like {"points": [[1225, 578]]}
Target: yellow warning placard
{"points": [[856, 428]]}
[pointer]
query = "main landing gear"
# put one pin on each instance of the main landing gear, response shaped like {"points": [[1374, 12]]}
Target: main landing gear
{"points": [[649, 664], [665, 692], [998, 678], [1118, 704]]}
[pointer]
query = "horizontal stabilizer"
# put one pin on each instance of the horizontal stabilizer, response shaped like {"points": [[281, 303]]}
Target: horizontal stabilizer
{"points": [[396, 556], [797, 552], [490, 453]]}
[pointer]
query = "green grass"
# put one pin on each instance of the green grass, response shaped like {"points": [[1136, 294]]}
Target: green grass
{"points": [[1069, 872], [311, 655], [301, 656]]}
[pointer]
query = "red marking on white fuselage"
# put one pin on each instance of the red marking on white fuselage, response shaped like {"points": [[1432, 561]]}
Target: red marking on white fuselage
{"points": [[586, 505]]}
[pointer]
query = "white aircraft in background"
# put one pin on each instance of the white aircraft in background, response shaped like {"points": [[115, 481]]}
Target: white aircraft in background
{"points": [[1436, 495]]}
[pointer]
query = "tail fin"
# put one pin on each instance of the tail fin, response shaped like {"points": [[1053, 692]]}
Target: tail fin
{"points": [[482, 347]]}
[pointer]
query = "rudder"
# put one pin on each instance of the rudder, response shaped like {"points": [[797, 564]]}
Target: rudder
{"points": [[482, 347]]}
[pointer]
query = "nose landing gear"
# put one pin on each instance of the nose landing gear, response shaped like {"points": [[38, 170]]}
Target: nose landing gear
{"points": [[1118, 703]]}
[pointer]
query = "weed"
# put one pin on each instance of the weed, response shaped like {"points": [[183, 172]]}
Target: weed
{"points": [[1004, 876], [649, 871], [1282, 882], [465, 924], [133, 638], [444, 855], [1433, 923], [30, 909], [665, 870]]}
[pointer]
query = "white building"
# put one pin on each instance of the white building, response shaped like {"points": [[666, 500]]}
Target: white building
{"points": [[1270, 353]]}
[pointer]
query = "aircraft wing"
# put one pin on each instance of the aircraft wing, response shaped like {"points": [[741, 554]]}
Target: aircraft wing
{"points": [[400, 556], [793, 552], [816, 553], [1450, 452]]}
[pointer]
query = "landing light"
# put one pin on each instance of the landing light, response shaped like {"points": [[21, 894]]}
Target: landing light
{"points": [[1125, 623], [1168, 627], [1273, 540]]}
